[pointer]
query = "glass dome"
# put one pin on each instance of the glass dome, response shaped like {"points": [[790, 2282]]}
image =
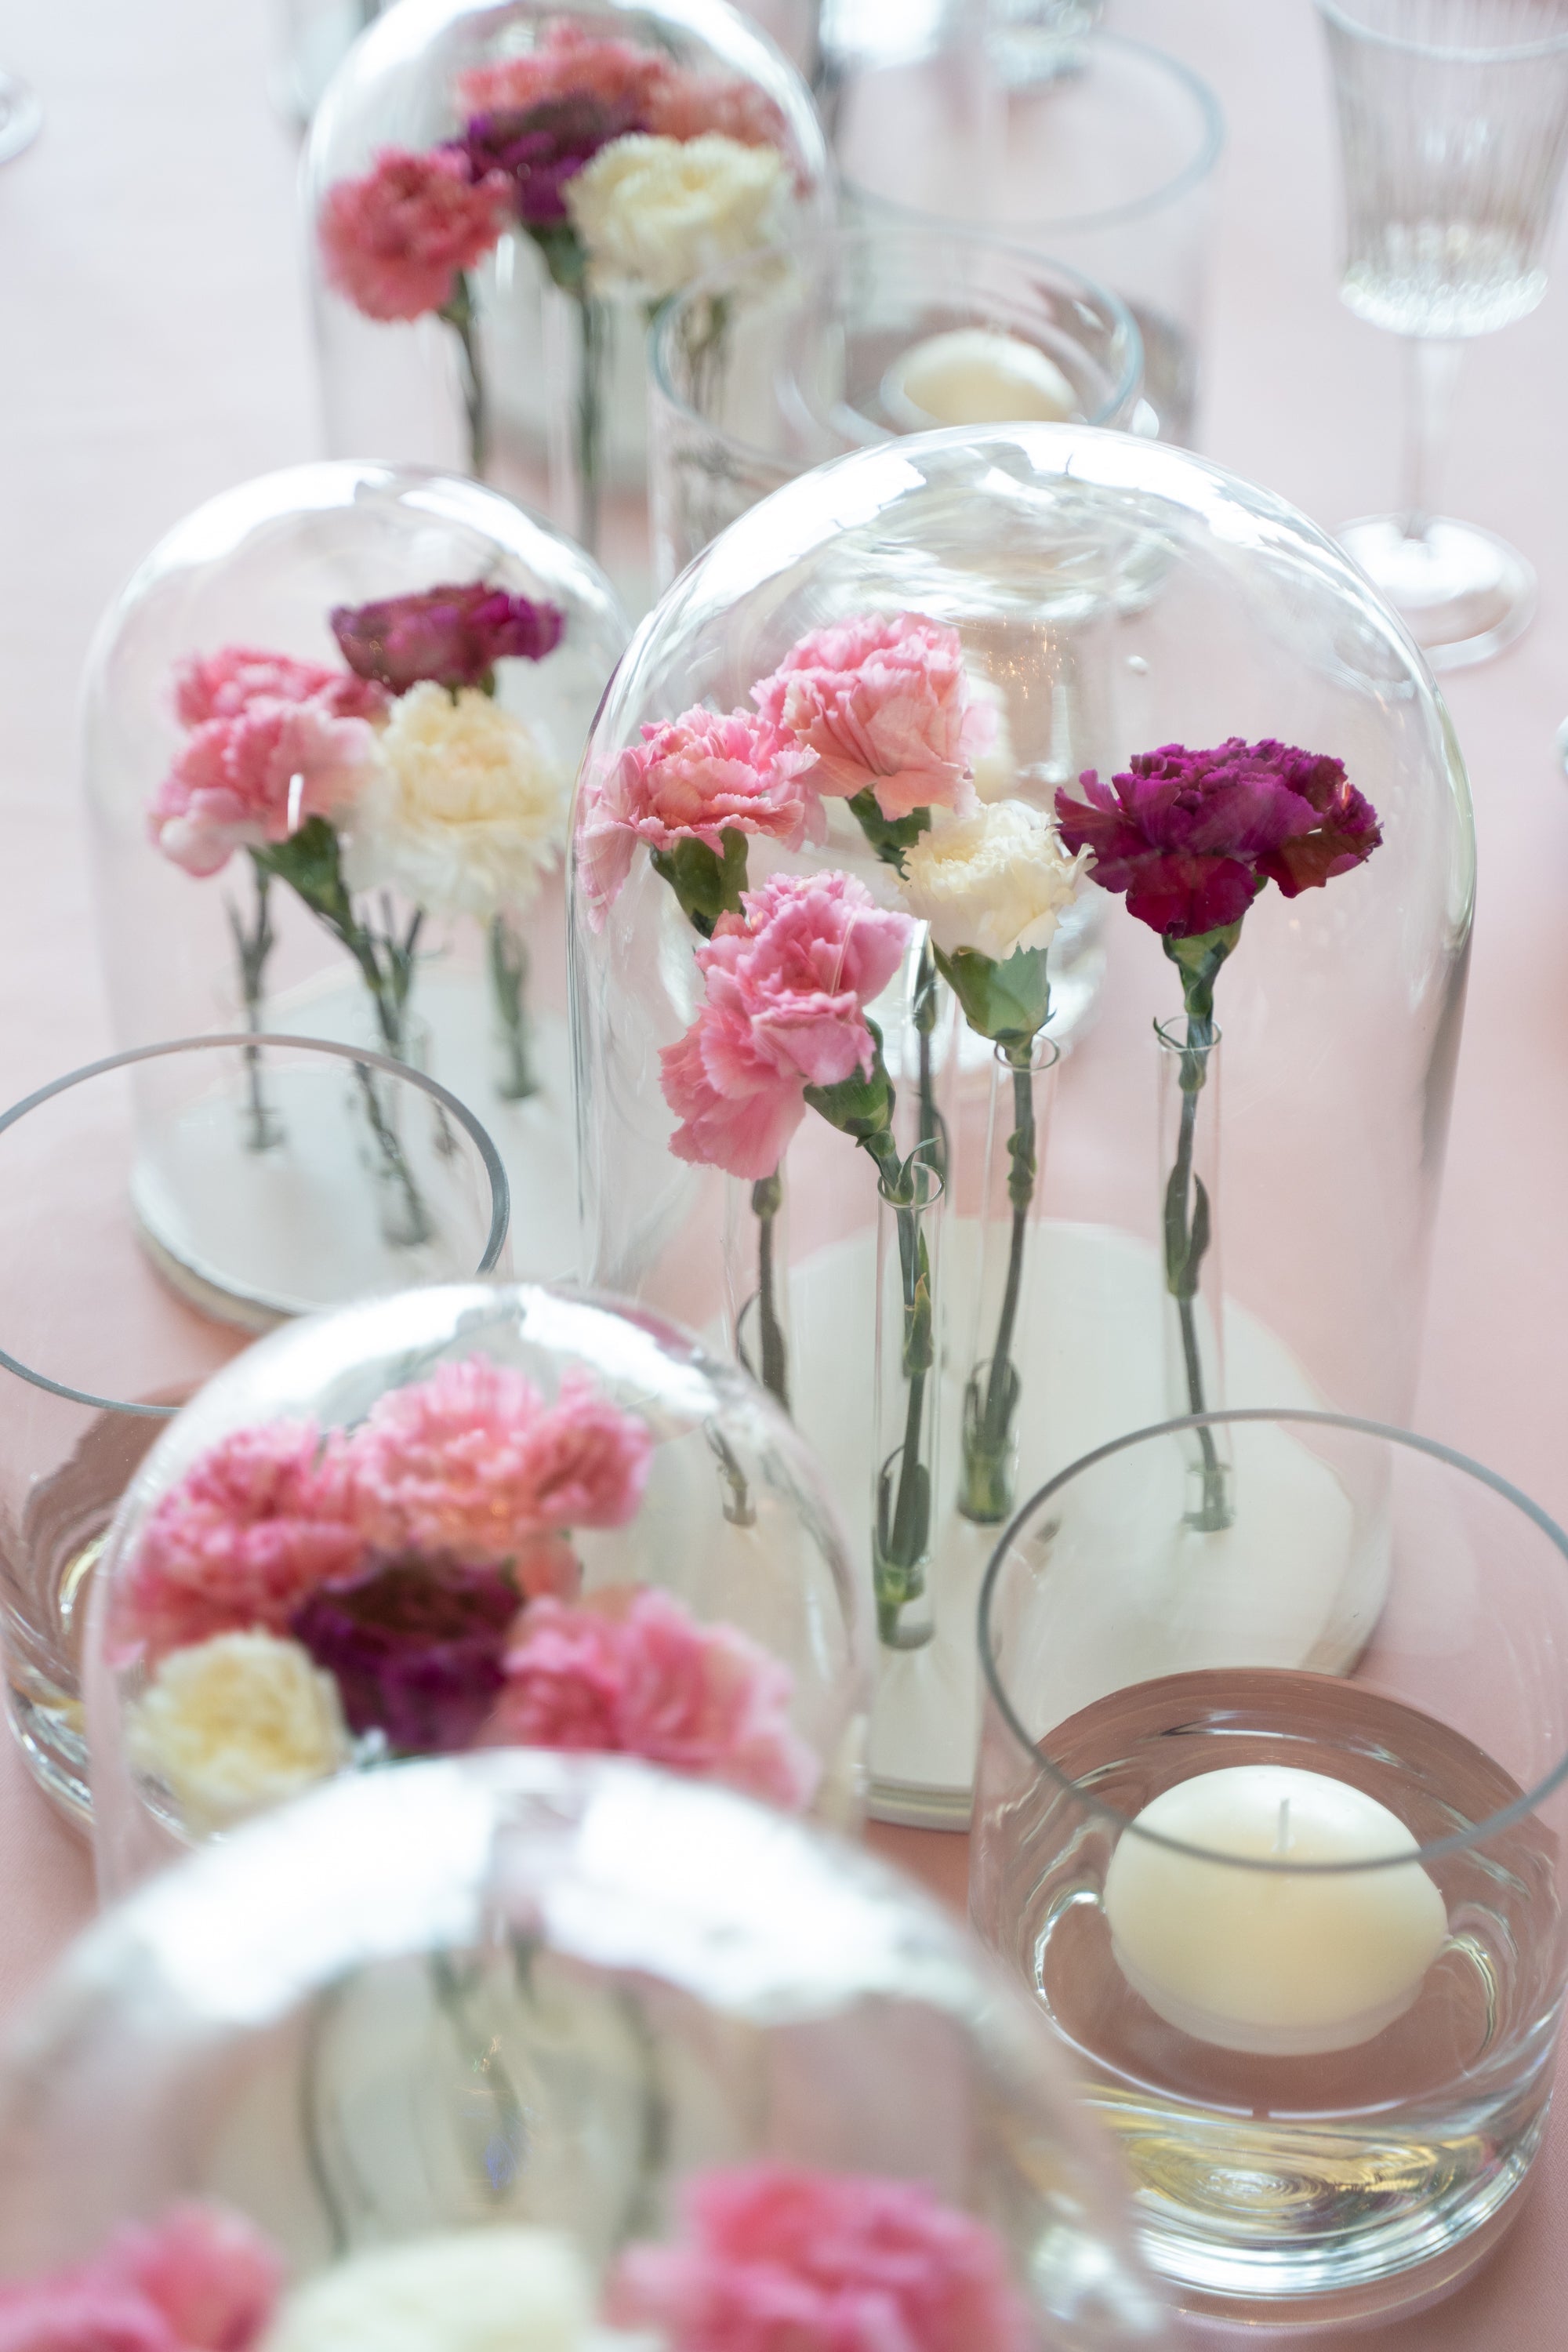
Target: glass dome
{"points": [[498, 196], [329, 727], [572, 1997], [466, 1515], [972, 622]]}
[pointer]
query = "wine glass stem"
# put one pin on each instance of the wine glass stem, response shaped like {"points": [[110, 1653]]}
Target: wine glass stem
{"points": [[1433, 368]]}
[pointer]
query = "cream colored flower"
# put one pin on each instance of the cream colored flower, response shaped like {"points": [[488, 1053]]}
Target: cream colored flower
{"points": [[464, 814], [504, 2290], [655, 213], [236, 1723], [995, 881]]}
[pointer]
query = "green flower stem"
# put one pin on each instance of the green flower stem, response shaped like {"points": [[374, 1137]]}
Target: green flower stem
{"points": [[988, 1424], [767, 1197], [508, 959], [594, 324], [253, 947], [461, 316], [927, 1005], [903, 1510], [1188, 1222]]}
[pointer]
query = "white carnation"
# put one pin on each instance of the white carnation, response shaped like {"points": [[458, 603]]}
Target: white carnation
{"points": [[464, 812], [503, 2290], [236, 1723], [656, 213], [995, 880]]}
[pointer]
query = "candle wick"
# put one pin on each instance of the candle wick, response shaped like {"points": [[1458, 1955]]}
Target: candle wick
{"points": [[1282, 1835]]}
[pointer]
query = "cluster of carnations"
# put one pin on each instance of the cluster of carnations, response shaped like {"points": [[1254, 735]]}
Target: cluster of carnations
{"points": [[400, 771], [301, 1600], [769, 2255]]}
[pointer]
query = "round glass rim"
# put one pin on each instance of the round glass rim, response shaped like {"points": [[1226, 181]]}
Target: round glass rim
{"points": [[501, 1191], [927, 227], [1515, 53], [1462, 1841], [1026, 227]]}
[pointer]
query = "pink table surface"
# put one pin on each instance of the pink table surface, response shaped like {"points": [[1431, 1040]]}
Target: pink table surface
{"points": [[155, 341]]}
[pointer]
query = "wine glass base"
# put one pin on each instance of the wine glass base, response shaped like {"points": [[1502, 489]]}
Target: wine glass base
{"points": [[20, 116], [1462, 592]]}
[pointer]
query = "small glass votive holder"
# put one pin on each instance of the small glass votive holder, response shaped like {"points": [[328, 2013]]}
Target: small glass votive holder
{"points": [[141, 1239], [1302, 1930], [1106, 162], [772, 365], [465, 1517]]}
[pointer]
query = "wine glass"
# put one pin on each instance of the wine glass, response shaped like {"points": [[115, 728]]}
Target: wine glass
{"points": [[1453, 129]]}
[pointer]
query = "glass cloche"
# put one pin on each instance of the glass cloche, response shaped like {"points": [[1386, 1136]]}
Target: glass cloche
{"points": [[467, 1516], [864, 758], [497, 198], [556, 2054], [330, 731]]}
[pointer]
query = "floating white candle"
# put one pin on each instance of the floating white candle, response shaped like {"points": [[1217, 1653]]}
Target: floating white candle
{"points": [[1280, 1963], [976, 375]]}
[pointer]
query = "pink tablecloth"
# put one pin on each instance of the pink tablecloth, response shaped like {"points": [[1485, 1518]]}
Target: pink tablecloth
{"points": [[154, 338]]}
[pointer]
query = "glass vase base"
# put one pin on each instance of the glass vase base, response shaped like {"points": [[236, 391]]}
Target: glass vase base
{"points": [[1462, 592]]}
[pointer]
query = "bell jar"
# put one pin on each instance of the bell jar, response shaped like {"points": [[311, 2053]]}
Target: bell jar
{"points": [[557, 2053], [869, 753], [500, 193], [467, 1516], [330, 726]]}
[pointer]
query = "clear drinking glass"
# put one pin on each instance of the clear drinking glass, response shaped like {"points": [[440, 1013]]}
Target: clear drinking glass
{"points": [[775, 364], [140, 1242], [1453, 129], [1301, 1928], [1107, 167]]}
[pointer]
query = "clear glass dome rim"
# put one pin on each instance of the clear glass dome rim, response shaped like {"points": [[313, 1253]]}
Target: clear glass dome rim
{"points": [[1480, 1834], [1344, 20]]}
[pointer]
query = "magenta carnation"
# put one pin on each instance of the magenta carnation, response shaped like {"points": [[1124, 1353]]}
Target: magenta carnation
{"points": [[396, 241], [539, 147], [647, 1680], [200, 2280], [257, 1522], [884, 702], [788, 981], [1192, 836], [223, 684], [452, 635], [777, 2258], [694, 779], [415, 1646], [256, 778], [473, 1464]]}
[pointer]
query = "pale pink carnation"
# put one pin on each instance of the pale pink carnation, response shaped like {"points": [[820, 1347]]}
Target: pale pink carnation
{"points": [[567, 62], [645, 1679], [788, 981], [225, 684], [260, 1521], [779, 2258], [258, 778], [694, 779], [396, 242], [684, 105], [884, 701], [200, 2280], [473, 1463]]}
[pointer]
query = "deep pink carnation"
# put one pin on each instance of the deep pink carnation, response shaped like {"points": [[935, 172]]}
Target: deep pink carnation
{"points": [[883, 700], [200, 2280], [256, 778], [396, 242], [225, 684], [472, 1463], [788, 983], [260, 1521], [453, 635], [567, 63], [694, 778], [777, 2257], [1193, 836], [642, 1677]]}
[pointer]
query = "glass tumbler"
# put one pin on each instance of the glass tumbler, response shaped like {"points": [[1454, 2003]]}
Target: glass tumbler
{"points": [[1302, 1930], [1453, 131], [140, 1241], [1107, 167]]}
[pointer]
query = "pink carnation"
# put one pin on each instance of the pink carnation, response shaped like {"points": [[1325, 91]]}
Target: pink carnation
{"points": [[256, 778], [788, 983], [645, 1679], [567, 63], [257, 1523], [473, 1463], [199, 2281], [396, 241], [686, 105], [883, 701], [694, 779], [777, 2257], [224, 685]]}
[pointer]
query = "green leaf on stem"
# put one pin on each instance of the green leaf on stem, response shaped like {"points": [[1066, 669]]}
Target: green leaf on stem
{"points": [[566, 255], [706, 884], [889, 836], [1198, 960], [1009, 1002], [861, 1106]]}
